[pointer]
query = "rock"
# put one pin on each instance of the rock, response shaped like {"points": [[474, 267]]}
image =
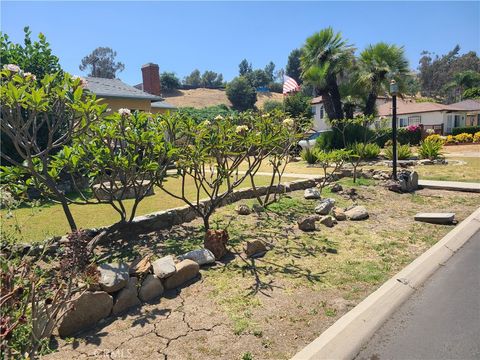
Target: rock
{"points": [[336, 188], [377, 177], [327, 220], [255, 248], [164, 267], [357, 213], [312, 193], [339, 214], [436, 218], [307, 223], [257, 208], [243, 210], [425, 162], [324, 206], [127, 297], [140, 266], [200, 256], [394, 186], [113, 277], [151, 288], [88, 309], [216, 241], [186, 270]]}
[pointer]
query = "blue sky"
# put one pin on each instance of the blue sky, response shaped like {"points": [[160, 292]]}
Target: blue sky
{"points": [[181, 36]]}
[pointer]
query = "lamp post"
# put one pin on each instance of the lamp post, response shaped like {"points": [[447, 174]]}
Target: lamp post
{"points": [[393, 92]]}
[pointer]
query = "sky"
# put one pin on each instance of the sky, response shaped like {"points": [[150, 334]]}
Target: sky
{"points": [[182, 36]]}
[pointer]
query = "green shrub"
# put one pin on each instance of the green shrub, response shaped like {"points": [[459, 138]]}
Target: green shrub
{"points": [[430, 149], [365, 151], [404, 136], [404, 152], [468, 130], [333, 139], [241, 94], [271, 105], [309, 156]]}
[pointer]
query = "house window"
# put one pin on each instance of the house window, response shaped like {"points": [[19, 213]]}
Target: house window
{"points": [[458, 121], [321, 112], [314, 110], [414, 120], [403, 122]]}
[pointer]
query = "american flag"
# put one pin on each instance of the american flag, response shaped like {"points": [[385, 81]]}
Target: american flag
{"points": [[289, 85]]}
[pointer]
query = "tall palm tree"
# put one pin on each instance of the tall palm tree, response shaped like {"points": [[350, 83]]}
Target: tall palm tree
{"points": [[379, 64], [325, 56]]}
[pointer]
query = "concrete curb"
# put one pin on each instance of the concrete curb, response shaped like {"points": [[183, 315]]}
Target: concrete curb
{"points": [[344, 339], [449, 185]]}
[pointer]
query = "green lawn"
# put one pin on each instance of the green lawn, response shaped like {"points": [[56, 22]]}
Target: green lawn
{"points": [[37, 223]]}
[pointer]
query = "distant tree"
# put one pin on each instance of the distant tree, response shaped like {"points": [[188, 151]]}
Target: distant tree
{"points": [[271, 105], [294, 68], [463, 81], [194, 79], [211, 79], [244, 67], [412, 84], [472, 93], [169, 81], [269, 71], [298, 105], [436, 72], [101, 63], [258, 78], [241, 94]]}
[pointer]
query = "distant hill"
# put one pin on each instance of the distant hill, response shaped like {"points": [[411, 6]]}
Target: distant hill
{"points": [[199, 98]]}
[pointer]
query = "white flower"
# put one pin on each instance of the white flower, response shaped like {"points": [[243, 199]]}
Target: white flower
{"points": [[83, 82], [430, 131], [12, 67], [219, 117], [241, 129], [206, 123], [288, 122], [30, 76], [124, 112]]}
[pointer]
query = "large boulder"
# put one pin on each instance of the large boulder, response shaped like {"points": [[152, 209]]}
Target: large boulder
{"points": [[164, 267], [357, 213], [327, 220], [186, 270], [127, 297], [88, 309], [325, 206], [307, 223], [151, 288], [336, 188], [255, 248], [339, 214], [113, 276], [200, 256], [311, 193], [216, 242]]}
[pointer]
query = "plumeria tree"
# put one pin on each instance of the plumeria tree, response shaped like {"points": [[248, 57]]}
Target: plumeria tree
{"points": [[56, 102], [123, 157]]}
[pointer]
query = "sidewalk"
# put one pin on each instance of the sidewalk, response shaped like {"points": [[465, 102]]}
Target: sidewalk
{"points": [[441, 320], [450, 185]]}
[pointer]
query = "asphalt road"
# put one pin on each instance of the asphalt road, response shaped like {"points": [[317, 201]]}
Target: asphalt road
{"points": [[441, 320]]}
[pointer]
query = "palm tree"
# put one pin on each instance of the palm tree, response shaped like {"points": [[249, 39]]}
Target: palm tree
{"points": [[325, 56], [379, 64]]}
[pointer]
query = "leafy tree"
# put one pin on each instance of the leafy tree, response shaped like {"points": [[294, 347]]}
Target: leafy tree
{"points": [[269, 71], [463, 81], [211, 79], [241, 94], [271, 105], [194, 79], [169, 81], [438, 71], [472, 93], [412, 84], [244, 67], [378, 64], [294, 69], [101, 63], [258, 78], [325, 56], [298, 105], [206, 113], [57, 102]]}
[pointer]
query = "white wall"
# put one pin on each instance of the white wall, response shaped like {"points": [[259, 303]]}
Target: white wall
{"points": [[319, 123]]}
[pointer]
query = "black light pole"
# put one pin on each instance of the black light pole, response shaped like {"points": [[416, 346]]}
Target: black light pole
{"points": [[393, 92]]}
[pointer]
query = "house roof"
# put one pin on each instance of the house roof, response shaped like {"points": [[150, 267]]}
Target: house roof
{"points": [[468, 105], [316, 100], [409, 107], [117, 89], [162, 105]]}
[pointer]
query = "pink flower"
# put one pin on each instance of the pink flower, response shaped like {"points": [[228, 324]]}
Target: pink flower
{"points": [[12, 67], [413, 128]]}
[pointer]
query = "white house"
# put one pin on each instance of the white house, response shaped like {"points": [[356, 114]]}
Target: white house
{"points": [[441, 118]]}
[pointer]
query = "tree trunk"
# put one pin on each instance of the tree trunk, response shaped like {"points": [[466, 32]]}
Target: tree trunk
{"points": [[68, 215], [370, 105], [327, 103], [335, 96]]}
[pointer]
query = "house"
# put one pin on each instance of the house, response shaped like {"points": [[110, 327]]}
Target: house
{"points": [[119, 95], [439, 117]]}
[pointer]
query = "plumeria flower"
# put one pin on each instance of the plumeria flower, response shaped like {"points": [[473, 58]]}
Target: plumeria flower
{"points": [[206, 123], [30, 76], [241, 129], [83, 82], [219, 117], [288, 122], [124, 112], [12, 67]]}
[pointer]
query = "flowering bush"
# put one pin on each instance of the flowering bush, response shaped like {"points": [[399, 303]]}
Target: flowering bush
{"points": [[412, 128], [450, 139], [435, 137], [430, 131], [464, 138], [476, 137]]}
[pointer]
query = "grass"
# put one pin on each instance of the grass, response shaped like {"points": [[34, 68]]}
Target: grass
{"points": [[39, 222]]}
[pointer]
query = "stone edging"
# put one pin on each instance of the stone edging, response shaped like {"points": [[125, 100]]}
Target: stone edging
{"points": [[344, 339]]}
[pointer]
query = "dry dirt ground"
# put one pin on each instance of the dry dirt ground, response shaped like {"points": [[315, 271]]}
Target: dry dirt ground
{"points": [[200, 98], [271, 307]]}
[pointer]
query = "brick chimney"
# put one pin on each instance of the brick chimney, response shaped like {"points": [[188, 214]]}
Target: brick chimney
{"points": [[151, 79]]}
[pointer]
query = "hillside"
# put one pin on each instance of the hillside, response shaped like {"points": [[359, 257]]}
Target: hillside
{"points": [[199, 98]]}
